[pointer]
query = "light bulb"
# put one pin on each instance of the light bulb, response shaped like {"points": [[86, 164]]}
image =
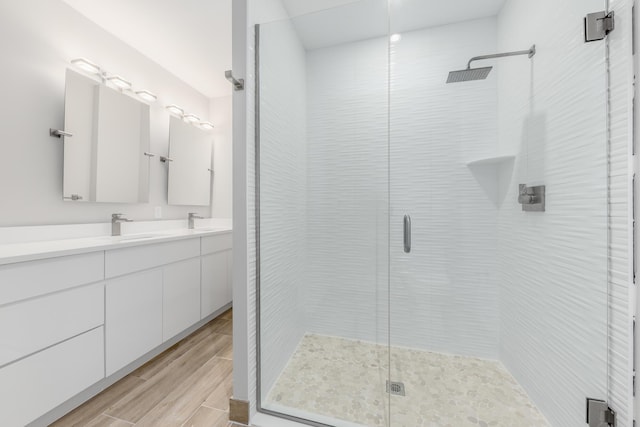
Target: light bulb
{"points": [[119, 82], [206, 125], [174, 109], [145, 95], [86, 65], [191, 118]]}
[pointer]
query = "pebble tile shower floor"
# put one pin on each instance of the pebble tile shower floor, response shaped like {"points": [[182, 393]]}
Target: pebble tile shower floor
{"points": [[345, 380]]}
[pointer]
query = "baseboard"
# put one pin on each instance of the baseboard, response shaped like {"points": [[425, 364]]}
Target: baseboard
{"points": [[239, 411]]}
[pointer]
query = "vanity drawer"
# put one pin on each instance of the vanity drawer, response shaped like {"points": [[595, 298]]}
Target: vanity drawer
{"points": [[29, 326], [35, 385], [34, 278], [124, 261], [217, 243]]}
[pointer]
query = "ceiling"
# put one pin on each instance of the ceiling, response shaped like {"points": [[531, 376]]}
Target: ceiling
{"points": [[322, 23], [189, 38], [192, 38], [303, 7]]}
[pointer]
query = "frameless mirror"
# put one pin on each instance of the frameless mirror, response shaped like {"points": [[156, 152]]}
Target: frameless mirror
{"points": [[104, 159], [189, 164]]}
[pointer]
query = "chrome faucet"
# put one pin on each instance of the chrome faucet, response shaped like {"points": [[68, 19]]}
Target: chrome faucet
{"points": [[192, 220], [116, 220]]}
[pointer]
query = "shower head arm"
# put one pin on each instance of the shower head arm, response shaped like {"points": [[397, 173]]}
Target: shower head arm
{"points": [[531, 52]]}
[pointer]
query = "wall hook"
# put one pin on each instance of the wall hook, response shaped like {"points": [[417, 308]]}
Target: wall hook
{"points": [[57, 133], [237, 84]]}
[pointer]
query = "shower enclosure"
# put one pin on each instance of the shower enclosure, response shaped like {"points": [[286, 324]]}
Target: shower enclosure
{"points": [[433, 248]]}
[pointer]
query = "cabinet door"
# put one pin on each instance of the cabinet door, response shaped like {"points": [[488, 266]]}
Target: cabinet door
{"points": [[36, 384], [133, 319], [181, 296], [215, 282]]}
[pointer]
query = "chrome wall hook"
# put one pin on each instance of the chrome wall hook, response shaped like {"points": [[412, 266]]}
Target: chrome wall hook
{"points": [[57, 133], [237, 84]]}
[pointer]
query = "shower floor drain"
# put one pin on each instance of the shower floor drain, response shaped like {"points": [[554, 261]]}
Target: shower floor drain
{"points": [[396, 388]]}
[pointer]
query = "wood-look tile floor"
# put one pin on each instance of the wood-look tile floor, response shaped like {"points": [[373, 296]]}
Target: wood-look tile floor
{"points": [[188, 385]]}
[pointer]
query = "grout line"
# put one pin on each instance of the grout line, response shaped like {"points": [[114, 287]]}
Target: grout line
{"points": [[204, 404], [117, 419], [185, 424], [214, 409], [190, 416]]}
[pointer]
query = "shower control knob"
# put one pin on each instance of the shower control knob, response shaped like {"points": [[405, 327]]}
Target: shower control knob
{"points": [[532, 199], [527, 199]]}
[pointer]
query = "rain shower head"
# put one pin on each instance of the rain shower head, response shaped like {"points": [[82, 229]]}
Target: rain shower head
{"points": [[469, 74], [482, 73]]}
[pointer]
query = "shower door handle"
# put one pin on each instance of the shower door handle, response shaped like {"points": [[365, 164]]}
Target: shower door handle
{"points": [[407, 234]]}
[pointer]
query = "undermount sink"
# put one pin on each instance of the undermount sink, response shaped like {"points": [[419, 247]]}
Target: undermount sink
{"points": [[133, 237], [210, 229]]}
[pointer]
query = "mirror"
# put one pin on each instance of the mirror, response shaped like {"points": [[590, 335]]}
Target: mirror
{"points": [[189, 164], [104, 160]]}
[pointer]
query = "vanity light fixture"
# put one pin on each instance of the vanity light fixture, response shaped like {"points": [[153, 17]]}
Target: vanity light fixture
{"points": [[145, 95], [191, 118], [206, 125], [119, 82], [174, 109], [86, 65]]}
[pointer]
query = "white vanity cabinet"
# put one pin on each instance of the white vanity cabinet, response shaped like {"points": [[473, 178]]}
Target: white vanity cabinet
{"points": [[181, 297], [51, 333], [133, 317], [150, 297], [216, 273], [73, 325]]}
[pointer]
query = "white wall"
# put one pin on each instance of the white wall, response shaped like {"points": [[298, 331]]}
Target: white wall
{"points": [[435, 130], [444, 296], [283, 195], [221, 117], [246, 14], [553, 267], [347, 191], [41, 37]]}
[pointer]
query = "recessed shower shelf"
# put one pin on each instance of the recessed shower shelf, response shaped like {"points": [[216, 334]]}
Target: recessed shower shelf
{"points": [[491, 161], [492, 173]]}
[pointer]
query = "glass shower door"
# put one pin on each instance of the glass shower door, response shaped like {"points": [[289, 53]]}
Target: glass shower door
{"points": [[498, 303], [322, 163]]}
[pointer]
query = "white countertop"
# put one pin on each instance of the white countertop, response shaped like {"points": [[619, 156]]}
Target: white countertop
{"points": [[29, 250]]}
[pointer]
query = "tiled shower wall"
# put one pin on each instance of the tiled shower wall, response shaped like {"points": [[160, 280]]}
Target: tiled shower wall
{"points": [[444, 295], [347, 284], [435, 130], [621, 140], [283, 185], [553, 267], [577, 219]]}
